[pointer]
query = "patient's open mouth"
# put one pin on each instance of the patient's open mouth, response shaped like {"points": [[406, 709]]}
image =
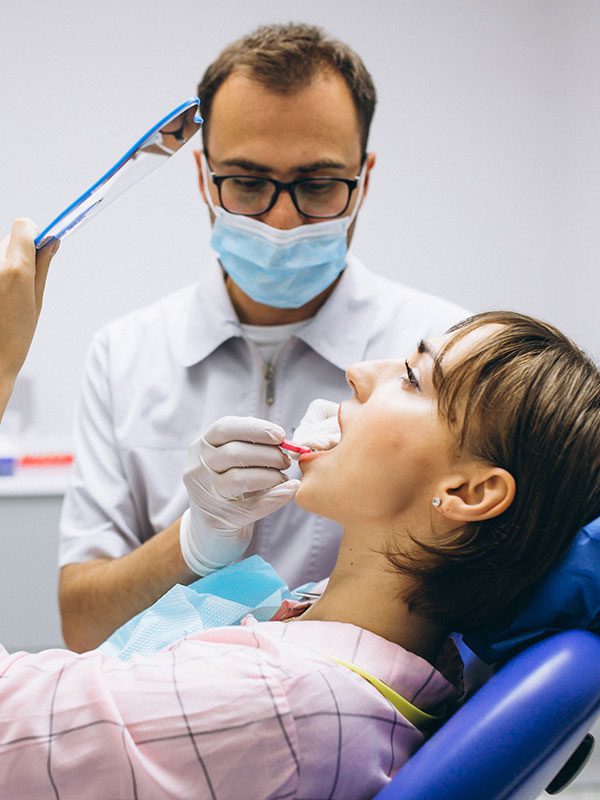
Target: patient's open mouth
{"points": [[312, 455]]}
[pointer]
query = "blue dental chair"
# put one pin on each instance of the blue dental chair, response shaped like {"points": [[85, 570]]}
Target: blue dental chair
{"points": [[525, 730]]}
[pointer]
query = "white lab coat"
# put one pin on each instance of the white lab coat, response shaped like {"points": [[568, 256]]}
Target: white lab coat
{"points": [[157, 378]]}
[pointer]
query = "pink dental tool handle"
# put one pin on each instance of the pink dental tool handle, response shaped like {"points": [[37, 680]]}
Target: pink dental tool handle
{"points": [[295, 448]]}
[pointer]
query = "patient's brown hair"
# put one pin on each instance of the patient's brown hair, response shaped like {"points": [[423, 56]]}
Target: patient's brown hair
{"points": [[286, 58], [526, 399]]}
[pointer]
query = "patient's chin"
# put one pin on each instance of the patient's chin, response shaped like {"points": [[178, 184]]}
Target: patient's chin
{"points": [[314, 497]]}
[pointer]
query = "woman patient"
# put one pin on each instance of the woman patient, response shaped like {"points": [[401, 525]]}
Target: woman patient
{"points": [[461, 477]]}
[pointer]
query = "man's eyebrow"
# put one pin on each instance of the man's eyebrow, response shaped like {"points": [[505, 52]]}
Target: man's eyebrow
{"points": [[243, 163], [263, 169], [323, 163]]}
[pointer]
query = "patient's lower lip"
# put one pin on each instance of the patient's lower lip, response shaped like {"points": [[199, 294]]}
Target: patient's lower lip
{"points": [[310, 456]]}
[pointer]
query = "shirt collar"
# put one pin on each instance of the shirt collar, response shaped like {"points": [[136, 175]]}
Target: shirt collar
{"points": [[208, 320], [410, 675], [339, 332], [341, 329]]}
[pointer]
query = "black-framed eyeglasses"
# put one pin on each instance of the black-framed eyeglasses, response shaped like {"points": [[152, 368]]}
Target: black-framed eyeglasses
{"points": [[315, 198]]}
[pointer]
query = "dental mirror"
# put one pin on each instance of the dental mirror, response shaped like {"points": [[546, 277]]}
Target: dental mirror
{"points": [[154, 148]]}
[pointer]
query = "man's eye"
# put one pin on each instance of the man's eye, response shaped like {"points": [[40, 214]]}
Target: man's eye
{"points": [[411, 377], [249, 184], [318, 187]]}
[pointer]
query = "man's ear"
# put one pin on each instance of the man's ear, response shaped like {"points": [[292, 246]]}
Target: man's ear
{"points": [[370, 161], [484, 493], [198, 159]]}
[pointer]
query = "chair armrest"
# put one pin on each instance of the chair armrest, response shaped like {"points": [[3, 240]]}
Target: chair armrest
{"points": [[513, 736]]}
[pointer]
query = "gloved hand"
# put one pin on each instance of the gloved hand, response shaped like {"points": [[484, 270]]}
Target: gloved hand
{"points": [[319, 428], [233, 478]]}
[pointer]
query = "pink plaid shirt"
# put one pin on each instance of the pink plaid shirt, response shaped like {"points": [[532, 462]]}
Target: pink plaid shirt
{"points": [[259, 711]]}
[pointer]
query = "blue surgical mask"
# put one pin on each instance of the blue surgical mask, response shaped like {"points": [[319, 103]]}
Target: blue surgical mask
{"points": [[280, 268]]}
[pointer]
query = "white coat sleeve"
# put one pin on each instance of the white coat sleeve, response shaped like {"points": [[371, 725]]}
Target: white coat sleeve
{"points": [[99, 517]]}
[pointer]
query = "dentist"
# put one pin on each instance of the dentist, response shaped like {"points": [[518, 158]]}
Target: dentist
{"points": [[272, 323]]}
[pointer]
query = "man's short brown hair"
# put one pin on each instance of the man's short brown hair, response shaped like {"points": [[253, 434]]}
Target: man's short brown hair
{"points": [[285, 58]]}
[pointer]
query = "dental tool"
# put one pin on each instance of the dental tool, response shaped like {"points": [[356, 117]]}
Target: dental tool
{"points": [[298, 449]]}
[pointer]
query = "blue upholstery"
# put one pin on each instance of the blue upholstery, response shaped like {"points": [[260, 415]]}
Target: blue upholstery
{"points": [[568, 597], [513, 736]]}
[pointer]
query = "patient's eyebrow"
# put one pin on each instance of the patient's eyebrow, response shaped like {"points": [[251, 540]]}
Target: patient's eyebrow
{"points": [[425, 347]]}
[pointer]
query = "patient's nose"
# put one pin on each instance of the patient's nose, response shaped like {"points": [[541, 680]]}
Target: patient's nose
{"points": [[362, 378]]}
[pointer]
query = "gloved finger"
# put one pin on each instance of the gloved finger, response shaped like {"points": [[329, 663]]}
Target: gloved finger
{"points": [[244, 429], [236, 483], [277, 497], [242, 454], [321, 436], [319, 428], [319, 410]]}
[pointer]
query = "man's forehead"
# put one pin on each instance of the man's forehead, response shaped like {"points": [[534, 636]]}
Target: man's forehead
{"points": [[252, 87], [317, 122]]}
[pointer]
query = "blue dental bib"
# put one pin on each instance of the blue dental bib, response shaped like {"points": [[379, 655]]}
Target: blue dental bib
{"points": [[222, 598]]}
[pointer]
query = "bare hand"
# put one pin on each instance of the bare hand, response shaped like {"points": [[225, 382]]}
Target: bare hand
{"points": [[22, 281]]}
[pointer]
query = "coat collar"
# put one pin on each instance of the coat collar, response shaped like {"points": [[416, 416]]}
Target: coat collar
{"points": [[207, 320], [339, 332], [341, 329]]}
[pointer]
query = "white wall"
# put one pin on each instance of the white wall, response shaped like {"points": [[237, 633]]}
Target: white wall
{"points": [[487, 132]]}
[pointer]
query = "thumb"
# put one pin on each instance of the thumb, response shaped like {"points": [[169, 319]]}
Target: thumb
{"points": [[279, 496], [319, 410], [20, 249]]}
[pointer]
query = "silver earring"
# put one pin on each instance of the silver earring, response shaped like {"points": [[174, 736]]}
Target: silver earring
{"points": [[436, 502]]}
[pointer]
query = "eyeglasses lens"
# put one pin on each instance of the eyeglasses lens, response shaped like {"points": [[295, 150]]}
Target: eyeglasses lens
{"points": [[320, 197]]}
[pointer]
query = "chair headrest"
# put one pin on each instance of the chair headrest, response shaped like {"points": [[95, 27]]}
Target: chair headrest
{"points": [[568, 597]]}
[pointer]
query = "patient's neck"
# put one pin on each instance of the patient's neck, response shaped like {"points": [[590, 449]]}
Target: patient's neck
{"points": [[364, 590]]}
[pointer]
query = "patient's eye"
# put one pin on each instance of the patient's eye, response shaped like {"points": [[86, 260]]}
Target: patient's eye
{"points": [[411, 377]]}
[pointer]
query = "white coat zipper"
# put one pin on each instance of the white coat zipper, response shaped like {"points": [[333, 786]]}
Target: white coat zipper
{"points": [[269, 373], [269, 384]]}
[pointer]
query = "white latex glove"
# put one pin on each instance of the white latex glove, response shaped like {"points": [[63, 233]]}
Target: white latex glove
{"points": [[319, 428], [233, 478]]}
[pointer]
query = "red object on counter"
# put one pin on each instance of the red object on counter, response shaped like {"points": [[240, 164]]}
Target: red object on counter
{"points": [[52, 460]]}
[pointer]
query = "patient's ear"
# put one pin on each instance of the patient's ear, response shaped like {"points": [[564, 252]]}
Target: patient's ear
{"points": [[484, 493]]}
